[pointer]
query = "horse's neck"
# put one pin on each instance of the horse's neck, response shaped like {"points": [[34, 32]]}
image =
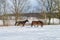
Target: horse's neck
{"points": [[25, 21]]}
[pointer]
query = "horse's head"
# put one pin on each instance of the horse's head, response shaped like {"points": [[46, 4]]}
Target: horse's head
{"points": [[27, 21]]}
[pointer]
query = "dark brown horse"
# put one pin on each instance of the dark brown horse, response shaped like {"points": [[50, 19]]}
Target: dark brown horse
{"points": [[21, 22], [37, 23]]}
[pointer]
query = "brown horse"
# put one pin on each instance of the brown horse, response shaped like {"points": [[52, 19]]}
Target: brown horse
{"points": [[37, 23], [21, 22]]}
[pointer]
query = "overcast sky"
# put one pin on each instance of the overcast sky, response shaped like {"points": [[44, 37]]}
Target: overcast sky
{"points": [[32, 6]]}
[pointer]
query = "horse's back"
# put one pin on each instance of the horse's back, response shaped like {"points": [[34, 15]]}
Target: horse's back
{"points": [[41, 22], [34, 22], [37, 23]]}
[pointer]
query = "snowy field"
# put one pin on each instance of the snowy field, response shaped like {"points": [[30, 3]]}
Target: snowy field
{"points": [[48, 32]]}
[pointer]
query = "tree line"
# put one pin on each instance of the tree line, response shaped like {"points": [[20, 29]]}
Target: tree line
{"points": [[16, 7]]}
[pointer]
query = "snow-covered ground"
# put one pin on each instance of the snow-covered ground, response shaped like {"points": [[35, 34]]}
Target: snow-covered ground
{"points": [[48, 32]]}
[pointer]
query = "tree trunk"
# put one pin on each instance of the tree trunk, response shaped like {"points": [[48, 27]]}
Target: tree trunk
{"points": [[16, 18], [53, 20], [3, 20], [59, 20], [49, 20]]}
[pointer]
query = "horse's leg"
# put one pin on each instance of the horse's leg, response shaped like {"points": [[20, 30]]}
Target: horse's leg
{"points": [[37, 25], [41, 25], [23, 24], [15, 23], [18, 24]]}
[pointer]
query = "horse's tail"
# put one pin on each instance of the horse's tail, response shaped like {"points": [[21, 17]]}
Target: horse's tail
{"points": [[31, 24]]}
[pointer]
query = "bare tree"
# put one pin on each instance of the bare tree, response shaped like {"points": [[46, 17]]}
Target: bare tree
{"points": [[56, 8], [17, 7], [50, 9], [45, 8], [3, 3], [59, 10], [44, 11]]}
